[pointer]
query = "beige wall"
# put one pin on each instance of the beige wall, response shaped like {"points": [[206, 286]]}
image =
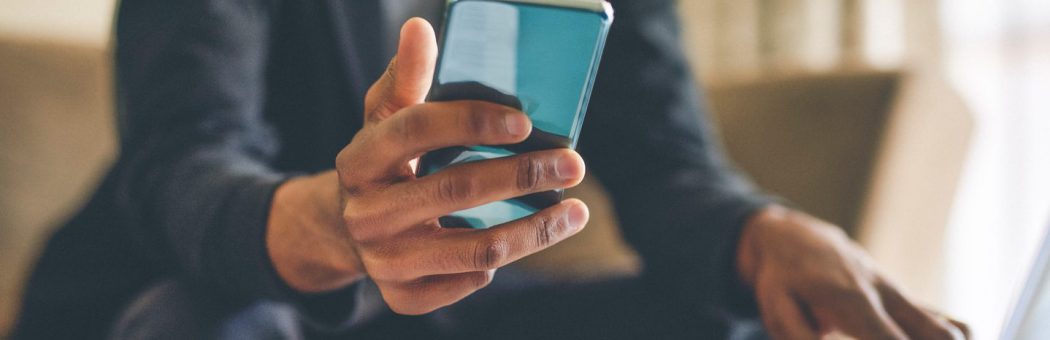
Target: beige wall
{"points": [[56, 131], [731, 40], [906, 205], [81, 22], [55, 140]]}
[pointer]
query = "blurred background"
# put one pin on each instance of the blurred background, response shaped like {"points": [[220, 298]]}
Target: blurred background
{"points": [[922, 127]]}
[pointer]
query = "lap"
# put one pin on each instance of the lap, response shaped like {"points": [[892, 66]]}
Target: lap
{"points": [[175, 310], [512, 308]]}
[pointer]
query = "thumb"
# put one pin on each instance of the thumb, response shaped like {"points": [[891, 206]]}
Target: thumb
{"points": [[407, 79]]}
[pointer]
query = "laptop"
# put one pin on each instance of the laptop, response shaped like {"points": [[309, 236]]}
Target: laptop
{"points": [[1030, 317]]}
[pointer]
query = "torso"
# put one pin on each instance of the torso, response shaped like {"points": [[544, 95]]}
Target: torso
{"points": [[316, 89]]}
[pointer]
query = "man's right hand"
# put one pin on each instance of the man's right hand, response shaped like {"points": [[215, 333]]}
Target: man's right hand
{"points": [[373, 217]]}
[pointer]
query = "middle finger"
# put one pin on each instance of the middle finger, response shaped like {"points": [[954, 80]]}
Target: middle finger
{"points": [[477, 183]]}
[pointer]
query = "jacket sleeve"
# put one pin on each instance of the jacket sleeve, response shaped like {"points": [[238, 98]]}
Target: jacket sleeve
{"points": [[648, 140], [194, 181]]}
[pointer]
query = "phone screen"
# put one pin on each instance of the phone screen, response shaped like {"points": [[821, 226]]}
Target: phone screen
{"points": [[540, 59]]}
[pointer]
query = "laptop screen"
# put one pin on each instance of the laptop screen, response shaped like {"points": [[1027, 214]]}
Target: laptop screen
{"points": [[1028, 320]]}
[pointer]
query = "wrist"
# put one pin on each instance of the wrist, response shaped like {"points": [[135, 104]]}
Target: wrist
{"points": [[749, 248], [305, 237]]}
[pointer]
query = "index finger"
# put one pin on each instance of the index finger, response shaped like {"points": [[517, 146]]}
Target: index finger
{"points": [[918, 322], [856, 310], [392, 143]]}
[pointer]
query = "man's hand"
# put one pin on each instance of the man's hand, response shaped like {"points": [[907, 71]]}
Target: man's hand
{"points": [[811, 280], [373, 217]]}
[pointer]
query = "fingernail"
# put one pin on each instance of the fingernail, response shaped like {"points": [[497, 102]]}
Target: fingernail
{"points": [[569, 167], [517, 124], [577, 215]]}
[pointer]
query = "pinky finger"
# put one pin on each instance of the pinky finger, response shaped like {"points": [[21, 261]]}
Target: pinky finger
{"points": [[916, 321], [430, 293], [962, 327]]}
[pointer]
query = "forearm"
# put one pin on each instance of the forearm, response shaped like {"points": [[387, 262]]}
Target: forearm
{"points": [[687, 234], [214, 219], [197, 214], [196, 181], [681, 204]]}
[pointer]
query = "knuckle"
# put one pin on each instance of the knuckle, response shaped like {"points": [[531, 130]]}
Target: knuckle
{"points": [[476, 120], [342, 159], [455, 189], [353, 217], [547, 229], [529, 172], [446, 189], [360, 220], [490, 253], [408, 128], [345, 168]]}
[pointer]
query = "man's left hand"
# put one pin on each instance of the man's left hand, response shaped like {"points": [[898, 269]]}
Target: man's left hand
{"points": [[811, 280]]}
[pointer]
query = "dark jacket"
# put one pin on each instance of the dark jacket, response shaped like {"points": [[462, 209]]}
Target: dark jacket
{"points": [[220, 101]]}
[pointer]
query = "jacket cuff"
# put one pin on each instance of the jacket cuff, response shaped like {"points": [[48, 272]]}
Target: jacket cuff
{"points": [[739, 299], [241, 265], [697, 265]]}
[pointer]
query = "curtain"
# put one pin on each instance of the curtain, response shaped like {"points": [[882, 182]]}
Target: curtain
{"points": [[997, 56]]}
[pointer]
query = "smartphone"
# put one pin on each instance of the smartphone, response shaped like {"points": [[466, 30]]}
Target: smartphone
{"points": [[539, 56]]}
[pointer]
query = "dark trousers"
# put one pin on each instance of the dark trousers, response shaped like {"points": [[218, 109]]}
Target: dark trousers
{"points": [[511, 308]]}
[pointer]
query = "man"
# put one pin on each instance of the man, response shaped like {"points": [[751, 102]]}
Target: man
{"points": [[224, 216]]}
